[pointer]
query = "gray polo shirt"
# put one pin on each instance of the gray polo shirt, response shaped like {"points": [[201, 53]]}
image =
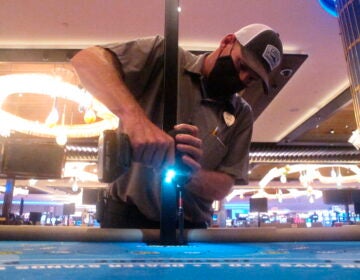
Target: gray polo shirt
{"points": [[224, 128]]}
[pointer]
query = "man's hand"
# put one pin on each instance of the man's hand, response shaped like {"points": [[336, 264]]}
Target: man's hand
{"points": [[210, 185], [151, 146], [189, 145]]}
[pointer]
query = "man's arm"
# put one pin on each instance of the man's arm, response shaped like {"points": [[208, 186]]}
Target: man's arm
{"points": [[210, 185], [99, 73]]}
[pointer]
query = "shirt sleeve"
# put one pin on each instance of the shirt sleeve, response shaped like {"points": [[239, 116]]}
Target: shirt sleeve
{"points": [[138, 59]]}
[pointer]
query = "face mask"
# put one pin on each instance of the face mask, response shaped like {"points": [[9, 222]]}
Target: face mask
{"points": [[223, 80]]}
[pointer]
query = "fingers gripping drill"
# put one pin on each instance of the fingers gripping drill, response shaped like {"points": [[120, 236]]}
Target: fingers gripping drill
{"points": [[115, 156]]}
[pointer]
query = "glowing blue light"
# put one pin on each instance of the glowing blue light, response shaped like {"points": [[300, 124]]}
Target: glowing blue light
{"points": [[329, 6], [16, 202], [169, 176]]}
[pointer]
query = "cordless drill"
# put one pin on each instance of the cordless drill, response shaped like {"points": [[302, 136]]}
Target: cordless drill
{"points": [[115, 152]]}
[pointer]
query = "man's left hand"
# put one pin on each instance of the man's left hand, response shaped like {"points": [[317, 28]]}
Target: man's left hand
{"points": [[189, 145]]}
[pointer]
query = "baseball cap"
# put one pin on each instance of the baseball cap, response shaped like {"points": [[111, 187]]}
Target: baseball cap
{"points": [[262, 49]]}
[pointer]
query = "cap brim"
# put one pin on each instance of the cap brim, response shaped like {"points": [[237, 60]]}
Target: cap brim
{"points": [[251, 60]]}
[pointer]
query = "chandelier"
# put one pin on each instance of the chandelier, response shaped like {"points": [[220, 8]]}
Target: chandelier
{"points": [[45, 84]]}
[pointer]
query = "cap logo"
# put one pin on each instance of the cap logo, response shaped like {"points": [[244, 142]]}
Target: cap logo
{"points": [[272, 56]]}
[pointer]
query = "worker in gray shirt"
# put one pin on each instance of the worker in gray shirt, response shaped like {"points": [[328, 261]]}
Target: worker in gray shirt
{"points": [[214, 121]]}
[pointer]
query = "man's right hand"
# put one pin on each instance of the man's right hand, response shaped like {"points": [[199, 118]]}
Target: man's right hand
{"points": [[150, 145]]}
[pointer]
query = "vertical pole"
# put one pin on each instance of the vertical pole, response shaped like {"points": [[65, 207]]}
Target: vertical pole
{"points": [[347, 213], [8, 197], [21, 210], [171, 85], [349, 23], [168, 210]]}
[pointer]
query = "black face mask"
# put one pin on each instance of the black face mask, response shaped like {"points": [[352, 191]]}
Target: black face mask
{"points": [[223, 80]]}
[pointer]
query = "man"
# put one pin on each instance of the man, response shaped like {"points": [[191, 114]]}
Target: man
{"points": [[215, 123]]}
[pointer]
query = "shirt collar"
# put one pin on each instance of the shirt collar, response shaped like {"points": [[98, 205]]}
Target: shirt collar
{"points": [[194, 63]]}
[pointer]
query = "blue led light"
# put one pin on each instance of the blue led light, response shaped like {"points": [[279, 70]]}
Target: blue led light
{"points": [[17, 202], [169, 176], [329, 6]]}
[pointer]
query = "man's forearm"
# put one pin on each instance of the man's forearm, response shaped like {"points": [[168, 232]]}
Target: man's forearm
{"points": [[100, 75], [210, 185]]}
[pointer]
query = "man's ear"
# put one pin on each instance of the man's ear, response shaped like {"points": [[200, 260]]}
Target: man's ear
{"points": [[228, 39]]}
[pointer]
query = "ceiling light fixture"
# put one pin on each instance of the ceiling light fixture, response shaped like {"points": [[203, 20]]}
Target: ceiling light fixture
{"points": [[48, 85], [291, 193], [75, 186], [355, 138], [53, 117], [329, 6], [310, 172]]}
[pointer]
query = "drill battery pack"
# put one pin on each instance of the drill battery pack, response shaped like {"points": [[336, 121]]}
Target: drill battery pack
{"points": [[114, 155]]}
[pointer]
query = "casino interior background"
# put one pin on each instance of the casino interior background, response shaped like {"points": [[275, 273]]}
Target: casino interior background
{"points": [[301, 159]]}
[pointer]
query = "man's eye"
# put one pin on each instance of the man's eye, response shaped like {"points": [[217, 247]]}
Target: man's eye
{"points": [[244, 67], [253, 75], [255, 78]]}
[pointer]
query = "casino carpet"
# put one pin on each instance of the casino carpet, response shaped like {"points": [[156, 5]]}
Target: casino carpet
{"points": [[134, 260]]}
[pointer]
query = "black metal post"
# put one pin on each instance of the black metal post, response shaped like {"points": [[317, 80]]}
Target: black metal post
{"points": [[168, 215], [21, 209], [171, 78]]}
